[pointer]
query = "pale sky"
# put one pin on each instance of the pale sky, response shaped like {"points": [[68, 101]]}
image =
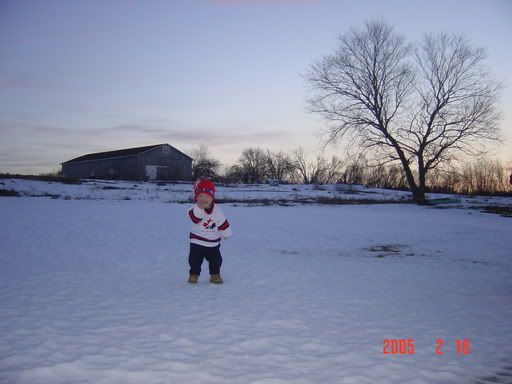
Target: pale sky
{"points": [[78, 77]]}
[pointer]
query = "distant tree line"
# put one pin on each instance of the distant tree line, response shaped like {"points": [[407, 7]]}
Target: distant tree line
{"points": [[256, 166]]}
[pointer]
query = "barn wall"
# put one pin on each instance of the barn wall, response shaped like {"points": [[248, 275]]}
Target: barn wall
{"points": [[171, 163], [121, 168], [179, 166]]}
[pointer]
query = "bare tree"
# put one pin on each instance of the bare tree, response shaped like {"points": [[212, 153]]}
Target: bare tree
{"points": [[253, 163], [203, 165], [234, 174], [420, 109], [354, 171], [279, 165], [484, 177], [334, 171], [309, 172]]}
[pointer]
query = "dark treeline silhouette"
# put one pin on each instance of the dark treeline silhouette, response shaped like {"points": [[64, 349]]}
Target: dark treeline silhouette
{"points": [[256, 165]]}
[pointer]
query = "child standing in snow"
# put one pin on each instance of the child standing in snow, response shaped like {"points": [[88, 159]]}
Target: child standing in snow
{"points": [[209, 226]]}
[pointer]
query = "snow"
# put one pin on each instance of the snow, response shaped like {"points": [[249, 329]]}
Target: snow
{"points": [[93, 290], [181, 192], [286, 194]]}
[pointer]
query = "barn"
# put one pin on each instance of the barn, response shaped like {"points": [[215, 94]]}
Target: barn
{"points": [[154, 162]]}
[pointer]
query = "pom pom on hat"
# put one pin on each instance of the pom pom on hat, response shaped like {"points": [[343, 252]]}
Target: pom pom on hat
{"points": [[204, 186]]}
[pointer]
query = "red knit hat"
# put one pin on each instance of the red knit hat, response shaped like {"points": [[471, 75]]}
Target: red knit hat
{"points": [[204, 186]]}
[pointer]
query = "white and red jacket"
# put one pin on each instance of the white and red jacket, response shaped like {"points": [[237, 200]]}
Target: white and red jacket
{"points": [[208, 226]]}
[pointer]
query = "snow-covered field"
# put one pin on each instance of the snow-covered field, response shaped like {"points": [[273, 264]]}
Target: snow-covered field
{"points": [[235, 193], [182, 192], [93, 290]]}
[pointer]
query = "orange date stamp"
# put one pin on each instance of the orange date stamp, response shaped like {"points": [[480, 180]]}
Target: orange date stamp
{"points": [[408, 347]]}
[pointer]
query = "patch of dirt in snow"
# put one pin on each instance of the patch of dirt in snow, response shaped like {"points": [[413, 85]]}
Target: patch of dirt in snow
{"points": [[498, 210], [289, 252], [503, 376], [386, 250]]}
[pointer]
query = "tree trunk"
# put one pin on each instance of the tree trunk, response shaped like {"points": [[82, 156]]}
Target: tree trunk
{"points": [[419, 192], [418, 195]]}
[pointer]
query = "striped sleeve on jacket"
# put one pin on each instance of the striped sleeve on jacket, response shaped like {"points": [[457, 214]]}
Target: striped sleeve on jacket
{"points": [[195, 214], [224, 226]]}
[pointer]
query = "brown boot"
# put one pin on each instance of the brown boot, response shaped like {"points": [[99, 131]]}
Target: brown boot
{"points": [[216, 279], [192, 279]]}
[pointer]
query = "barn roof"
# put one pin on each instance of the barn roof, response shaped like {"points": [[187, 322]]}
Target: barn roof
{"points": [[119, 153]]}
